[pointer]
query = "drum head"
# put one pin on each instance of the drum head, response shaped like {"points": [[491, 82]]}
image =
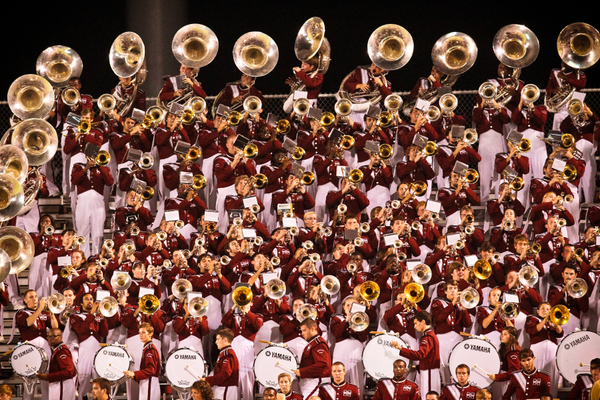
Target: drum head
{"points": [[110, 362], [27, 360], [476, 352], [272, 361], [577, 347], [378, 356], [184, 366]]}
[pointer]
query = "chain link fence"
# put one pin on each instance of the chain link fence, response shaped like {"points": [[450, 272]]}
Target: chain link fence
{"points": [[274, 105]]}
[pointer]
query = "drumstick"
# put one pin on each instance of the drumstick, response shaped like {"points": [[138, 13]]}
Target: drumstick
{"points": [[584, 365], [264, 341], [8, 352], [116, 369], [284, 367], [31, 369], [481, 369], [471, 335], [194, 373]]}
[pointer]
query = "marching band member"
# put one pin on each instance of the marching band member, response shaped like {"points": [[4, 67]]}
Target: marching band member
{"points": [[225, 377], [133, 212], [581, 388], [462, 389], [123, 92], [560, 77], [529, 383], [398, 387], [367, 80], [172, 92], [377, 180], [327, 178], [428, 355], [509, 360], [456, 196], [530, 121], [61, 374], [190, 330], [488, 319], [150, 366], [338, 388], [308, 74], [285, 386], [234, 94], [315, 364], [349, 195], [101, 389], [558, 294], [165, 139]]}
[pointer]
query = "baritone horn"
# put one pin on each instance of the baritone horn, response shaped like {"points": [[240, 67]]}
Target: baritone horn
{"points": [[469, 298], [509, 311], [330, 285], [275, 289], [393, 102], [343, 107], [106, 103], [369, 291], [359, 321], [108, 307], [180, 288], [530, 93], [421, 274], [301, 106], [252, 105], [528, 276]]}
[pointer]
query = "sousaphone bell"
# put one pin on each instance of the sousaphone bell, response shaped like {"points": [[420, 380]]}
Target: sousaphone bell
{"points": [[195, 45], [255, 54]]}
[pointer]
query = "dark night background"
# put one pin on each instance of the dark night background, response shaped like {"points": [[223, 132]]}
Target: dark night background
{"points": [[91, 27]]}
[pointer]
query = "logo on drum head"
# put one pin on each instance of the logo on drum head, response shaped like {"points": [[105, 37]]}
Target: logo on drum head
{"points": [[185, 357], [268, 353], [104, 352], [379, 341], [567, 346], [466, 347]]}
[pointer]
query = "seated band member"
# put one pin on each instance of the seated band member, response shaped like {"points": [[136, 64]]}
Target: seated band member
{"points": [[428, 354], [397, 388], [150, 366], [529, 383], [462, 389], [234, 94], [338, 388], [101, 389], [307, 75], [367, 79]]}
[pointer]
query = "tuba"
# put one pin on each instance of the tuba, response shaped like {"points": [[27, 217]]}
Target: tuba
{"points": [[30, 96], [311, 42], [517, 47], [255, 54], [38, 139], [19, 247], [58, 64], [12, 197], [577, 46], [127, 60]]}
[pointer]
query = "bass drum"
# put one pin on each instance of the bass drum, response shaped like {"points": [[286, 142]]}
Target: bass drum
{"points": [[184, 366], [478, 352], [272, 361], [27, 360], [110, 362], [577, 347], [378, 356]]}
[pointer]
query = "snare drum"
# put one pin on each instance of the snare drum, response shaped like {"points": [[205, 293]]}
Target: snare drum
{"points": [[27, 360], [184, 366], [577, 347], [272, 361], [378, 356], [110, 362], [473, 352]]}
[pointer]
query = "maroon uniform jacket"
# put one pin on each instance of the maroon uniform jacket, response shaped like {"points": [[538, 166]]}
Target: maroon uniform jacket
{"points": [[428, 353], [94, 179], [527, 386], [150, 364], [390, 389], [343, 391], [85, 325], [37, 329], [457, 392], [61, 364], [227, 369], [316, 359]]}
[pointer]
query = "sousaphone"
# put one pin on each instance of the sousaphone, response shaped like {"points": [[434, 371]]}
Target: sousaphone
{"points": [[311, 42], [19, 247], [58, 64], [127, 59], [30, 96]]}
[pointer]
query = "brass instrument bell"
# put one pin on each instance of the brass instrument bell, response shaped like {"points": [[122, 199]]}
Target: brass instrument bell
{"points": [[30, 96], [369, 290], [509, 311], [308, 178], [199, 182], [301, 106], [250, 150], [242, 296], [355, 176], [390, 47], [149, 304], [414, 292], [421, 274], [469, 298], [108, 306], [577, 288], [102, 158], [198, 307], [343, 107], [255, 54], [57, 303], [275, 289], [180, 288], [19, 247], [330, 285], [454, 53], [482, 269], [359, 321], [195, 45], [58, 64], [120, 281], [306, 311], [528, 276], [559, 315], [252, 105], [530, 93]]}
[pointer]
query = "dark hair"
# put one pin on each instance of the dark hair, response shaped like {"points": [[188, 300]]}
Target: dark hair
{"points": [[463, 366], [103, 383], [594, 364], [226, 334], [513, 342], [309, 323], [525, 353], [40, 221], [423, 316]]}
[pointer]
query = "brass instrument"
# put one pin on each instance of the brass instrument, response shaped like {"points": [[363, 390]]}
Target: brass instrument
{"points": [[252, 105], [102, 158], [330, 285], [108, 243], [358, 241], [365, 227], [421, 274], [579, 252], [385, 151], [224, 260], [311, 43], [469, 298], [351, 267], [528, 276], [234, 118], [298, 153], [347, 142], [536, 248], [393, 102], [49, 230], [577, 288], [58, 64], [471, 176], [197, 104], [418, 188], [66, 315], [508, 225], [390, 47], [108, 306], [106, 103], [255, 54], [301, 106], [283, 127], [470, 137], [431, 148], [487, 91], [275, 261], [385, 119], [355, 176], [250, 151], [127, 60], [482, 269], [308, 178], [198, 307], [327, 119], [343, 107], [448, 103], [13, 162], [149, 304], [195, 45], [275, 289], [524, 145], [559, 315], [242, 296], [509, 311], [30, 96], [147, 193], [80, 240], [120, 281], [577, 45], [369, 290], [188, 116], [530, 93], [414, 292], [156, 114], [70, 96], [517, 47], [102, 263], [306, 311], [359, 321], [576, 110], [193, 153], [569, 173], [57, 303], [433, 114], [342, 208]]}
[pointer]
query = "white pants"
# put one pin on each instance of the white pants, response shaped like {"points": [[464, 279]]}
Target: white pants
{"points": [[38, 275], [544, 353], [538, 154], [490, 143], [429, 380], [222, 193], [210, 191], [85, 365], [310, 386], [64, 390], [90, 216], [588, 181], [244, 350], [349, 351], [135, 349], [226, 392], [320, 202], [149, 389]]}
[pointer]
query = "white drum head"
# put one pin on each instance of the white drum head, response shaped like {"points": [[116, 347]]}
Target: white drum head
{"points": [[577, 347], [378, 356], [27, 360], [184, 367], [272, 361], [476, 352], [111, 361]]}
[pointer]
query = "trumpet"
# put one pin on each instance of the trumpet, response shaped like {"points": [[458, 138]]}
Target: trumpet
{"points": [[301, 107], [416, 225], [308, 178], [109, 243], [259, 181], [314, 257], [80, 240], [48, 230], [275, 261], [470, 137], [365, 227], [358, 241]]}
